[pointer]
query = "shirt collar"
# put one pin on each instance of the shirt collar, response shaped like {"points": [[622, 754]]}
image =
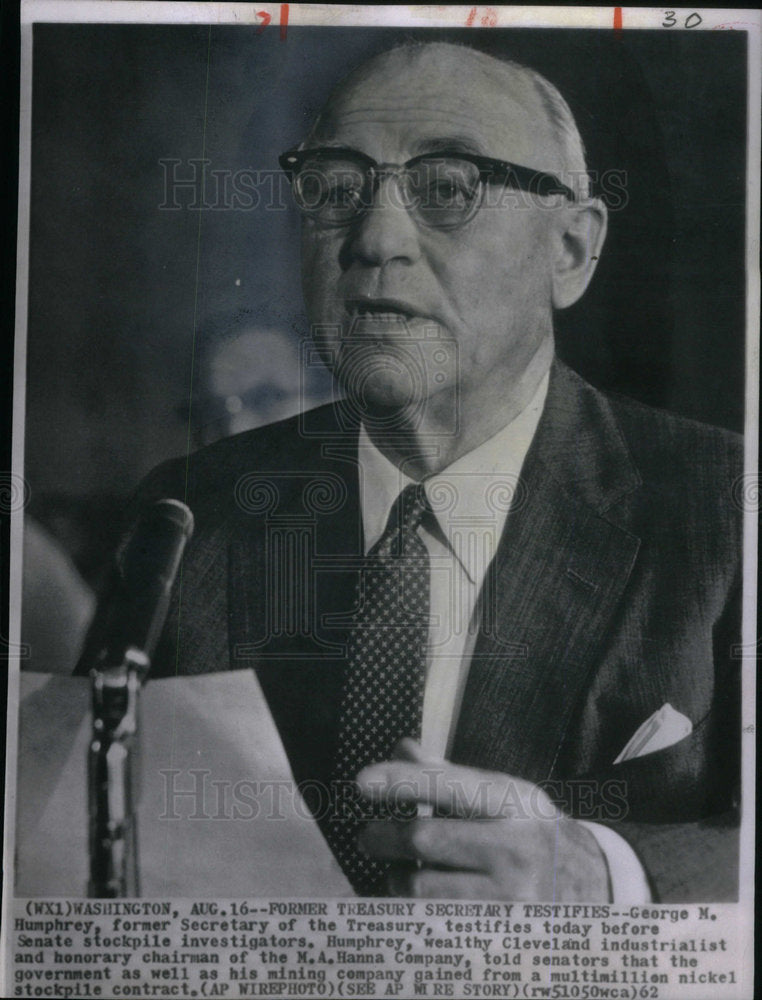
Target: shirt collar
{"points": [[470, 497]]}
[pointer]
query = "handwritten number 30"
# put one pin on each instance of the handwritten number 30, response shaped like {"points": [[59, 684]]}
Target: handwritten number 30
{"points": [[692, 20]]}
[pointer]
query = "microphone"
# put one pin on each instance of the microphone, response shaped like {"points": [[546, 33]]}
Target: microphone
{"points": [[117, 656], [131, 614]]}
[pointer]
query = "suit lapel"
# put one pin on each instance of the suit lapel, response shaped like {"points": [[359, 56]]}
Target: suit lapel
{"points": [[560, 570]]}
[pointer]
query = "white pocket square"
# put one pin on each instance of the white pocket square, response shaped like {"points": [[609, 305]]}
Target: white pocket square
{"points": [[665, 727]]}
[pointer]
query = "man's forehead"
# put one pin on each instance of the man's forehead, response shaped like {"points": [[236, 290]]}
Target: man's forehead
{"points": [[404, 101]]}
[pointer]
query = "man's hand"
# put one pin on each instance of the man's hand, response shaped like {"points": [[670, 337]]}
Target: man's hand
{"points": [[499, 838]]}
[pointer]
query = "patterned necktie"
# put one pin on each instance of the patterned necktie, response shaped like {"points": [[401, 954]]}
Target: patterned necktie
{"points": [[383, 690]]}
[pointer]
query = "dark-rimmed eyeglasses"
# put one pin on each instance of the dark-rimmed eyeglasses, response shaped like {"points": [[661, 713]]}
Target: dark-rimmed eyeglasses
{"points": [[442, 190]]}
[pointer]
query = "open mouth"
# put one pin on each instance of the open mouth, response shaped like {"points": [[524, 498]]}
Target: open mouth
{"points": [[381, 310]]}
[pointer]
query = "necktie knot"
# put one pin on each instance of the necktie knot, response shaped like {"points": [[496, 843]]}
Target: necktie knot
{"points": [[412, 504], [405, 517]]}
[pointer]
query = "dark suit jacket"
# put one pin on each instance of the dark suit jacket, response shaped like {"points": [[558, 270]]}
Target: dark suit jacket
{"points": [[616, 589]]}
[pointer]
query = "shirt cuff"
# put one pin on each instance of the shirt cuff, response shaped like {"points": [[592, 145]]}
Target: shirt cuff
{"points": [[626, 876]]}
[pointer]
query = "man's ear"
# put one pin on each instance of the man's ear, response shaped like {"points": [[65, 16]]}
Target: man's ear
{"points": [[581, 236]]}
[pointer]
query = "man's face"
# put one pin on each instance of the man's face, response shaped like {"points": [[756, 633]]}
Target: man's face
{"points": [[474, 301]]}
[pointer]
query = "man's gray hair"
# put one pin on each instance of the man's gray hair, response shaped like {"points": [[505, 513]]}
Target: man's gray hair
{"points": [[564, 127], [570, 146]]}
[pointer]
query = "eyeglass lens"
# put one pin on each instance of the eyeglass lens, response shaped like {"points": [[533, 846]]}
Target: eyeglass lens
{"points": [[441, 192]]}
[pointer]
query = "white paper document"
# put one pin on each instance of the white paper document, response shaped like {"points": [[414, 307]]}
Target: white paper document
{"points": [[218, 812]]}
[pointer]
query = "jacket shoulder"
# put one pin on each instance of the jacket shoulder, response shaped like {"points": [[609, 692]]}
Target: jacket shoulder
{"points": [[691, 493], [214, 475], [669, 479], [669, 446], [674, 457]]}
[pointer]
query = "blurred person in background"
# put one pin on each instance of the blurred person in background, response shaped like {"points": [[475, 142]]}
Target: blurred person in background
{"points": [[247, 375]]}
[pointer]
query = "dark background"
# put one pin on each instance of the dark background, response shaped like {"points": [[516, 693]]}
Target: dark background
{"points": [[118, 286]]}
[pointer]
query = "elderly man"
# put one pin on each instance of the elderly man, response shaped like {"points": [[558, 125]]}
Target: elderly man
{"points": [[499, 600]]}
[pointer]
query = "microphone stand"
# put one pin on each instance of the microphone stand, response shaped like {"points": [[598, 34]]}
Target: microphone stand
{"points": [[113, 777], [117, 656]]}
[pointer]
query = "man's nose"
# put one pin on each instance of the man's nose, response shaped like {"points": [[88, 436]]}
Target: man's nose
{"points": [[386, 231]]}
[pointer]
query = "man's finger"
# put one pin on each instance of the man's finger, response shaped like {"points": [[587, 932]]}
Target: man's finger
{"points": [[452, 843], [455, 790], [410, 749], [426, 883]]}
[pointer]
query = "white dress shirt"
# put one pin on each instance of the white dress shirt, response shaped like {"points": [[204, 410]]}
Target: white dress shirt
{"points": [[471, 500]]}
